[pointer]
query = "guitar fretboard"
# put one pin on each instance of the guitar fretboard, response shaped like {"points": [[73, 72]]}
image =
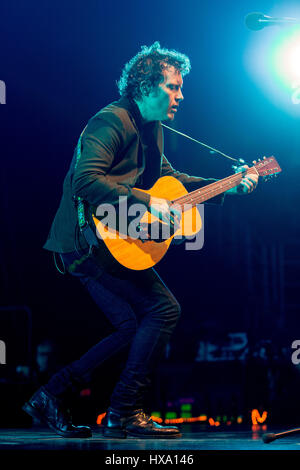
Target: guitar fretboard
{"points": [[211, 190]]}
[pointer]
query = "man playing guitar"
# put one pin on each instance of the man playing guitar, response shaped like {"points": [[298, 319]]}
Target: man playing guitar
{"points": [[120, 154]]}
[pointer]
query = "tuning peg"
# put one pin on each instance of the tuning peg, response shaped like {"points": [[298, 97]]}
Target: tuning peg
{"points": [[264, 158], [254, 162]]}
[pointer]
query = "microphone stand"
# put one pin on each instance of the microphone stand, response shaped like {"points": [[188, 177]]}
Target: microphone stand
{"points": [[279, 21], [270, 437], [257, 21]]}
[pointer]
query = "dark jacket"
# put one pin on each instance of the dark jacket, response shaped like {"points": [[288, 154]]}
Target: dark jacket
{"points": [[119, 153]]}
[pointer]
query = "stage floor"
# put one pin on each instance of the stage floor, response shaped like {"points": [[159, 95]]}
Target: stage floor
{"points": [[193, 439]]}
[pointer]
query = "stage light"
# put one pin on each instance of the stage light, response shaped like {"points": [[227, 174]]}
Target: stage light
{"points": [[156, 418], [171, 415], [286, 59], [273, 60], [186, 407], [202, 418], [257, 418], [186, 414], [171, 418], [86, 392], [100, 418]]}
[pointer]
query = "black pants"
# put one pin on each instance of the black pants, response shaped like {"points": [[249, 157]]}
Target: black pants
{"points": [[143, 312]]}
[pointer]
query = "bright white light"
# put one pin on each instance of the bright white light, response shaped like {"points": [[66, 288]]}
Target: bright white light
{"points": [[293, 60], [273, 59], [287, 59]]}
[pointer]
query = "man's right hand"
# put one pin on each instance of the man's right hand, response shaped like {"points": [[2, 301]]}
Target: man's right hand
{"points": [[166, 214], [162, 209]]}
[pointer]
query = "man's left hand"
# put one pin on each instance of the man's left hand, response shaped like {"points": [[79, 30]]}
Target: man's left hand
{"points": [[247, 185]]}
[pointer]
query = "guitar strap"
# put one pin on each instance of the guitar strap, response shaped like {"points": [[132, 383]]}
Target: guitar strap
{"points": [[81, 206]]}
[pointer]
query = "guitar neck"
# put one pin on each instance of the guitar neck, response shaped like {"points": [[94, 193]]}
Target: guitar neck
{"points": [[211, 190]]}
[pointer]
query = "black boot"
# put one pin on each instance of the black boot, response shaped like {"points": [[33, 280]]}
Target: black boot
{"points": [[138, 424], [50, 411]]}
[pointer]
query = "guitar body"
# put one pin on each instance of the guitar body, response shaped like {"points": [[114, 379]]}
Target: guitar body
{"points": [[133, 253], [139, 255]]}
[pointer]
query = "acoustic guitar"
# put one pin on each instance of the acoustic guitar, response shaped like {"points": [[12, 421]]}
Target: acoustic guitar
{"points": [[137, 254]]}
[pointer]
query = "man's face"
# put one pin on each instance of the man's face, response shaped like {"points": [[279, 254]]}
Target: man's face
{"points": [[162, 103]]}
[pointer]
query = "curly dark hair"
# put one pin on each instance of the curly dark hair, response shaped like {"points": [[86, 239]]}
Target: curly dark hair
{"points": [[146, 67]]}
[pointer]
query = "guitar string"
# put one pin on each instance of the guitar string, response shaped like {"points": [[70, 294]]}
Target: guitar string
{"points": [[202, 192]]}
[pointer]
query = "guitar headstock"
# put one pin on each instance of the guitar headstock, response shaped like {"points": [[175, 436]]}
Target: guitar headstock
{"points": [[267, 166]]}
